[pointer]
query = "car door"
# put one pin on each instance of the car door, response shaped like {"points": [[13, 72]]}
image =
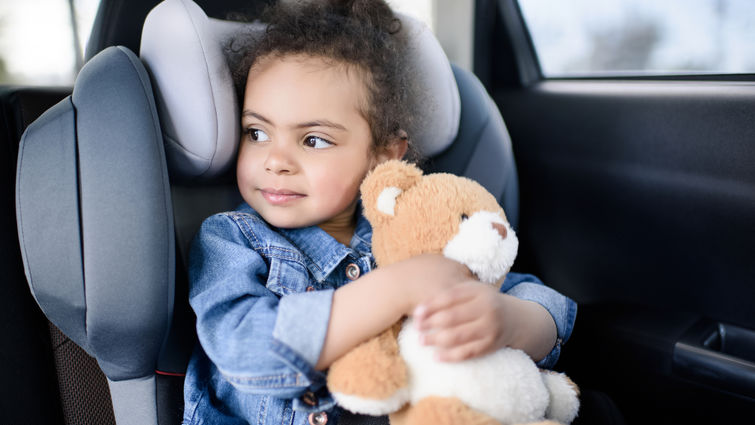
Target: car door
{"points": [[637, 200]]}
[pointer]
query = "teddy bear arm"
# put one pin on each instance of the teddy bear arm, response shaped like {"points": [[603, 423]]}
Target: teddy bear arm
{"points": [[372, 378], [440, 411]]}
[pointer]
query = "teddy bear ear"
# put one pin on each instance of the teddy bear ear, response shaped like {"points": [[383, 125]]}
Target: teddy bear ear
{"points": [[384, 184], [386, 201]]}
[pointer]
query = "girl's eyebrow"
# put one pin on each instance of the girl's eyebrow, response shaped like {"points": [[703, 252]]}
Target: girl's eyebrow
{"points": [[315, 123], [321, 123], [248, 113]]}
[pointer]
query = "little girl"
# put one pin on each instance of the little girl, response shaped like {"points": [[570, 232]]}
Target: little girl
{"points": [[285, 285]]}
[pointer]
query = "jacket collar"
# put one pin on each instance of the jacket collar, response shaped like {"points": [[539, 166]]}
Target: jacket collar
{"points": [[321, 252]]}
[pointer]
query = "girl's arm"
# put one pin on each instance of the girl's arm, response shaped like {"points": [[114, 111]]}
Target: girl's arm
{"points": [[372, 303], [237, 315]]}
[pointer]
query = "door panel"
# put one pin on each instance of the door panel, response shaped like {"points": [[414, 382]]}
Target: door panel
{"points": [[637, 199], [641, 192]]}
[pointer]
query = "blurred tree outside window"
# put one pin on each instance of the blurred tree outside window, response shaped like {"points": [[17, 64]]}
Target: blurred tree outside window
{"points": [[574, 38], [42, 41]]}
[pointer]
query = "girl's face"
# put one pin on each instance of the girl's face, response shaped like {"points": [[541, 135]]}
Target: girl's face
{"points": [[306, 146]]}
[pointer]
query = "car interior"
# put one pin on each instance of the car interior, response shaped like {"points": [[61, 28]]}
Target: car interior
{"points": [[633, 196]]}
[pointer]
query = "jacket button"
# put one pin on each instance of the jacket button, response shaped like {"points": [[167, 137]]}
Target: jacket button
{"points": [[309, 398], [319, 418], [352, 271]]}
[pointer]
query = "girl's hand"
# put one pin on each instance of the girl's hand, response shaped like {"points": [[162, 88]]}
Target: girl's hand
{"points": [[465, 321], [472, 319]]}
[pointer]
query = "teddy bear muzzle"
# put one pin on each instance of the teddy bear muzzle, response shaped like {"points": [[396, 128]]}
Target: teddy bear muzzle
{"points": [[486, 244]]}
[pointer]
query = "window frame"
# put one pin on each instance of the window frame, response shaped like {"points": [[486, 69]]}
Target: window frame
{"points": [[530, 70]]}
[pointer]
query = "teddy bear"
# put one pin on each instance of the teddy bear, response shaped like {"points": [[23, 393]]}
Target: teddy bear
{"points": [[393, 373]]}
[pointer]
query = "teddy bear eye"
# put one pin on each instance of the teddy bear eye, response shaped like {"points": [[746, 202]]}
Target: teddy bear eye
{"points": [[464, 217]]}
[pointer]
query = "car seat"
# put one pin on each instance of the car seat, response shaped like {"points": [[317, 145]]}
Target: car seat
{"points": [[113, 181]]}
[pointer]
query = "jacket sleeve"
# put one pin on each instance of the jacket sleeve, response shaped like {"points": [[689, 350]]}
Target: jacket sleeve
{"points": [[237, 315], [562, 309]]}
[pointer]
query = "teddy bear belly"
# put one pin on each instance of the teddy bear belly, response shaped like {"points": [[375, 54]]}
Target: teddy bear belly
{"points": [[504, 384]]}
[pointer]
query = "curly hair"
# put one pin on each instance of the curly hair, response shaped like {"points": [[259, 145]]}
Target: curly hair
{"points": [[361, 33]]}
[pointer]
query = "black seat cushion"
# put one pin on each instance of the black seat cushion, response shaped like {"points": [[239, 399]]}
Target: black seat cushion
{"points": [[26, 358]]}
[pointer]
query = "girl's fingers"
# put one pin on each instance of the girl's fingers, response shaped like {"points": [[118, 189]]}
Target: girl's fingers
{"points": [[455, 336], [456, 314], [443, 300], [466, 351]]}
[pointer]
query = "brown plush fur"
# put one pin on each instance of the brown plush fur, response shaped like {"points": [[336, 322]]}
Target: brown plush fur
{"points": [[445, 411], [403, 235], [375, 370], [441, 411], [382, 370]]}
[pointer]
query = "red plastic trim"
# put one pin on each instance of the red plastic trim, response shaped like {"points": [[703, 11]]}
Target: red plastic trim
{"points": [[159, 372]]}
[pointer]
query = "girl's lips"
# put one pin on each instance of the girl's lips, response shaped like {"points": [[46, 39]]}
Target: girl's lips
{"points": [[280, 196]]}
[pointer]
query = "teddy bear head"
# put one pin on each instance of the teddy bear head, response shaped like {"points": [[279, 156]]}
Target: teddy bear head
{"points": [[413, 214]]}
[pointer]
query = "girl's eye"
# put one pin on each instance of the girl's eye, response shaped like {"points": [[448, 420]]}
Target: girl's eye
{"points": [[256, 135], [317, 142]]}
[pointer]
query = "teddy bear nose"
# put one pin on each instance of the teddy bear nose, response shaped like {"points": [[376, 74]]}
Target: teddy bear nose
{"points": [[500, 228]]}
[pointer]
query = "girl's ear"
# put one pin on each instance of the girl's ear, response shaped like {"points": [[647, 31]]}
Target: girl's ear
{"points": [[395, 149], [384, 185]]}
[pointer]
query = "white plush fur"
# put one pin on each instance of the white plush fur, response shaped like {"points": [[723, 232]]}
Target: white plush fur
{"points": [[479, 246], [505, 384], [373, 407], [564, 405]]}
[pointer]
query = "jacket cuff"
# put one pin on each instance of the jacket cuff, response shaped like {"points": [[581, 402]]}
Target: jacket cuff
{"points": [[301, 325], [562, 309], [549, 361]]}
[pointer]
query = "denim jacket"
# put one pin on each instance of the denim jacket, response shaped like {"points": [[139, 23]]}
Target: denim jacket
{"points": [[263, 296]]}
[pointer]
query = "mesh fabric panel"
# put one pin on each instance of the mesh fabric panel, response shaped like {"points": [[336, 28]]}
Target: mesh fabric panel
{"points": [[84, 392]]}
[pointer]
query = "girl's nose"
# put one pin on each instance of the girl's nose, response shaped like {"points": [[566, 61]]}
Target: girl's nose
{"points": [[279, 161]]}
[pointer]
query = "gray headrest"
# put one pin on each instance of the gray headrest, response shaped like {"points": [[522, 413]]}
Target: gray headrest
{"points": [[183, 50], [94, 216]]}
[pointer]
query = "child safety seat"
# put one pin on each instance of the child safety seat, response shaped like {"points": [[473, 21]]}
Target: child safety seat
{"points": [[113, 181]]}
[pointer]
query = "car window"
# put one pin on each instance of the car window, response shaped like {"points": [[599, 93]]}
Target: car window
{"points": [[641, 37], [42, 41]]}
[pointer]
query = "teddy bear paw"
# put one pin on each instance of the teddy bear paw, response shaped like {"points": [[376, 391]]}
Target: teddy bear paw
{"points": [[373, 407]]}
